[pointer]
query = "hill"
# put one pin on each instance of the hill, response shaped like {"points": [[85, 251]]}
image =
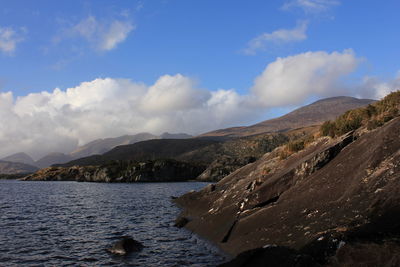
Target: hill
{"points": [[100, 146], [20, 158], [53, 158], [7, 167], [313, 114]]}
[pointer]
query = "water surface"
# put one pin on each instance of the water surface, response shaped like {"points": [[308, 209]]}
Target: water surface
{"points": [[70, 224]]}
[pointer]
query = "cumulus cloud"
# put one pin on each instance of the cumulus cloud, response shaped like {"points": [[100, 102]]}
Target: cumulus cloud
{"points": [[375, 88], [311, 6], [40, 123], [60, 120], [103, 35], [9, 38], [280, 36], [291, 80]]}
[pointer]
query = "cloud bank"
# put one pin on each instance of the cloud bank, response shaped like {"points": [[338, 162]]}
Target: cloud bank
{"points": [[59, 120], [280, 36]]}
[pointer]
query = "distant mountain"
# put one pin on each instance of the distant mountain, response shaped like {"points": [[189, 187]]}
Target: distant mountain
{"points": [[101, 146], [96, 147], [7, 167], [53, 158], [313, 114], [146, 150], [20, 158], [167, 135]]}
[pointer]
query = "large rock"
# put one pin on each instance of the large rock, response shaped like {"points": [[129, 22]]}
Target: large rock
{"points": [[347, 187], [125, 246]]}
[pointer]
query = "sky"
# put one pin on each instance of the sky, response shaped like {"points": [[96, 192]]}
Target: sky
{"points": [[74, 71]]}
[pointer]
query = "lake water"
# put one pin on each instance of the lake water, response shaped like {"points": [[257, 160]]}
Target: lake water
{"points": [[72, 224]]}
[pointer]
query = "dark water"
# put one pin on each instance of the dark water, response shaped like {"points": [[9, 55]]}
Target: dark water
{"points": [[69, 223]]}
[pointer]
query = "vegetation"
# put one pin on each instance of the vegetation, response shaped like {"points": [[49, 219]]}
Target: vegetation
{"points": [[371, 116]]}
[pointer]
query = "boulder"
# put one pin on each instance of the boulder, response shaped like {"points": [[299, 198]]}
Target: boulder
{"points": [[125, 246]]}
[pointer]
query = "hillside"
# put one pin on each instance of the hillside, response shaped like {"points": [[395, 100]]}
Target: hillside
{"points": [[52, 158], [100, 146], [313, 114], [334, 201], [7, 167], [20, 158], [146, 150]]}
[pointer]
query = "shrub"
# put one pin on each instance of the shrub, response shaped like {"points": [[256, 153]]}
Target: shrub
{"points": [[295, 146], [373, 116]]}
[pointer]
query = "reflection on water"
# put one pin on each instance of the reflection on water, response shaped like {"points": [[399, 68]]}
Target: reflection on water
{"points": [[69, 223]]}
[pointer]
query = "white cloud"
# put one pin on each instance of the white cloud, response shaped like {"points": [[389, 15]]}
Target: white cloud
{"points": [[9, 38], [59, 120], [278, 37], [291, 80], [375, 88], [103, 35], [311, 6], [43, 122]]}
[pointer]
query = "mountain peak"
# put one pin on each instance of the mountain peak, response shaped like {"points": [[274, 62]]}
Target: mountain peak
{"points": [[20, 157]]}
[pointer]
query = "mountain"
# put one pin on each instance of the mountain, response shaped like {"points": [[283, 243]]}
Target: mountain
{"points": [[7, 167], [101, 146], [98, 146], [313, 114], [20, 158], [53, 158], [146, 150], [167, 135], [331, 199]]}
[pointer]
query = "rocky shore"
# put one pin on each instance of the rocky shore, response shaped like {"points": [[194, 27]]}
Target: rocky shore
{"points": [[336, 202], [122, 171]]}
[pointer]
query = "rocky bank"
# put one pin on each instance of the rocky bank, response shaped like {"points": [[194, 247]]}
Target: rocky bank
{"points": [[337, 202], [122, 171]]}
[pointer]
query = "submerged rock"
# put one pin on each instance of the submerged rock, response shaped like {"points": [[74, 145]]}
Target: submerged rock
{"points": [[125, 246]]}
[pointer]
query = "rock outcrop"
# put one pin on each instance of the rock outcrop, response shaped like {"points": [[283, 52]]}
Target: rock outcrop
{"points": [[122, 171], [335, 198]]}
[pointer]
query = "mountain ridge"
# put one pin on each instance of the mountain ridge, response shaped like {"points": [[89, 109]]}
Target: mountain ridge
{"points": [[316, 113]]}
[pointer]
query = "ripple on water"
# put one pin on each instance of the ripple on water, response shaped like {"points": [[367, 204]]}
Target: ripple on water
{"points": [[70, 224]]}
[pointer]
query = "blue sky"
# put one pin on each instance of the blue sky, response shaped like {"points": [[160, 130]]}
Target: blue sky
{"points": [[221, 58], [201, 39]]}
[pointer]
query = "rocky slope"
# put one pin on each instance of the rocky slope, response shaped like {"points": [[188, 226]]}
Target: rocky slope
{"points": [[313, 114], [335, 202], [117, 171]]}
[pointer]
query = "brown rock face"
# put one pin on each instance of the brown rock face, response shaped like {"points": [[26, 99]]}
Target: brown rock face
{"points": [[345, 191]]}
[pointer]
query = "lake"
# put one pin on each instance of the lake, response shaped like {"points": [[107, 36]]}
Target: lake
{"points": [[71, 223]]}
